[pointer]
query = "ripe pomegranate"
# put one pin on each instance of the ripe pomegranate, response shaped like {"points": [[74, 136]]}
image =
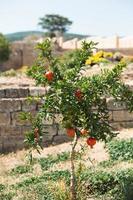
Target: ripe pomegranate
{"points": [[70, 132], [91, 141], [49, 75], [78, 94]]}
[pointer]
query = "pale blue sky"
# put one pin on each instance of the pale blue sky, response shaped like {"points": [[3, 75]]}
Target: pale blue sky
{"points": [[94, 17]]}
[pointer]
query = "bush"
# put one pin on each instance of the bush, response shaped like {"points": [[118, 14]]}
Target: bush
{"points": [[125, 179], [4, 48], [115, 185], [100, 182], [8, 196], [2, 187], [49, 161], [49, 176], [9, 73], [36, 192], [21, 169], [120, 149], [44, 191]]}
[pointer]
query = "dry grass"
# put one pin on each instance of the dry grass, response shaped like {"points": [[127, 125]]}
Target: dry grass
{"points": [[91, 157]]}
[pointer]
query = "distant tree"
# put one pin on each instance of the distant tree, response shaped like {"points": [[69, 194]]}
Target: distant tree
{"points": [[4, 48], [55, 24]]}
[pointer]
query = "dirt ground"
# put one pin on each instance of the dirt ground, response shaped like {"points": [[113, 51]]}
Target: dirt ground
{"points": [[24, 81], [97, 154]]}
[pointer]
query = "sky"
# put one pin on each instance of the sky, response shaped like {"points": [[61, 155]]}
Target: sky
{"points": [[90, 17]]}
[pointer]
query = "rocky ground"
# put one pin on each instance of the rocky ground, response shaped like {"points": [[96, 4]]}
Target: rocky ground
{"points": [[24, 81]]}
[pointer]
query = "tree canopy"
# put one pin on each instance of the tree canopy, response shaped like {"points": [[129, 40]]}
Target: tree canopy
{"points": [[55, 24]]}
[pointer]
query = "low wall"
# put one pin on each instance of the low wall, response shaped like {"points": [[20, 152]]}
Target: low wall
{"points": [[14, 100]]}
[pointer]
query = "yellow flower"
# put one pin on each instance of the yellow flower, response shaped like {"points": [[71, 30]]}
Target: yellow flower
{"points": [[89, 61], [99, 54], [108, 55]]}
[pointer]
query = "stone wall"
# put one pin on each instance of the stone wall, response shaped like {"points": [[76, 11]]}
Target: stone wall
{"points": [[14, 100], [23, 53]]}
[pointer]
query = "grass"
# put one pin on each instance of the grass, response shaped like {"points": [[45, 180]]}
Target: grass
{"points": [[104, 180], [49, 161], [21, 169], [14, 73], [49, 176]]}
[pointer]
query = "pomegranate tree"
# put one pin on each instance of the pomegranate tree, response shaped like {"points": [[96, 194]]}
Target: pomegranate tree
{"points": [[80, 100]]}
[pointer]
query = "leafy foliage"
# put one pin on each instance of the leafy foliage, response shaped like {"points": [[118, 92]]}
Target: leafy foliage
{"points": [[81, 103], [49, 176], [4, 48], [54, 23], [90, 111], [120, 149], [92, 183], [49, 161], [107, 163], [125, 178], [21, 169]]}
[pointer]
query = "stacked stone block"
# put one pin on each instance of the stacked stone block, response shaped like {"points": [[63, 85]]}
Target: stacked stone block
{"points": [[13, 101]]}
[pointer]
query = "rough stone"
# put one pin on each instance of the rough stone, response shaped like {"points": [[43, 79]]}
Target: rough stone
{"points": [[2, 93], [10, 131], [60, 139], [49, 132], [122, 115], [113, 105], [10, 105], [120, 125], [11, 93], [37, 91], [5, 119], [23, 92], [28, 106]]}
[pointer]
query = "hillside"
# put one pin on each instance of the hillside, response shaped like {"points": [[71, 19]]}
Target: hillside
{"points": [[21, 35]]}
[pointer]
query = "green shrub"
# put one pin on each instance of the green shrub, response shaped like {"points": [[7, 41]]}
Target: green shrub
{"points": [[9, 73], [4, 48], [107, 163], [40, 191], [49, 161], [109, 185], [2, 187], [21, 169], [44, 191], [64, 156], [54, 185], [49, 176], [8, 196], [125, 179], [100, 182], [120, 149], [5, 194]]}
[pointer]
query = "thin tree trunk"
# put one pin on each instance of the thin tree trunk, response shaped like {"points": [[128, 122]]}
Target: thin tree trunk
{"points": [[73, 177]]}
